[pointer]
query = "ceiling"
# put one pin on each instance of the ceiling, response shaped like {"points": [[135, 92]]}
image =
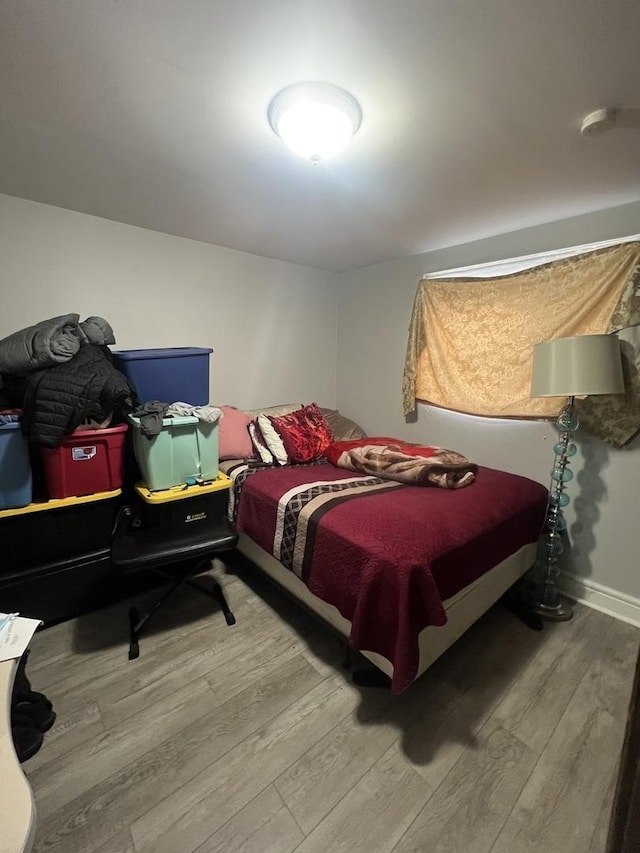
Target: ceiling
{"points": [[153, 112]]}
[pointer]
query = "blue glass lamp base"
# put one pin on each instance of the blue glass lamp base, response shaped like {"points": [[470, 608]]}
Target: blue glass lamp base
{"points": [[545, 599], [561, 611]]}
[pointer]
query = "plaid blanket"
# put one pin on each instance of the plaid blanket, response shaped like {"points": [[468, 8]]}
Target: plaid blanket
{"points": [[414, 464]]}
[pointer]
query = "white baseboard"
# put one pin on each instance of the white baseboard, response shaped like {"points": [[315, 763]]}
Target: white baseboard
{"points": [[602, 598]]}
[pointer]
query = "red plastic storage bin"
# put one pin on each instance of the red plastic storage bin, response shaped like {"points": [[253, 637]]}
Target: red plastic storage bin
{"points": [[87, 461]]}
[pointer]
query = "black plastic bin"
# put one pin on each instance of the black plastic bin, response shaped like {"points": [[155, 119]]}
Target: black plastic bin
{"points": [[59, 591], [48, 536]]}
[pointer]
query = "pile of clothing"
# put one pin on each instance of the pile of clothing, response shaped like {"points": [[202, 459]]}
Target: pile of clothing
{"points": [[60, 373], [152, 413]]}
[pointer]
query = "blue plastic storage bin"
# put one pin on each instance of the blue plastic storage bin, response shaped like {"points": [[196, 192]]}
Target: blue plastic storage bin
{"points": [[169, 375], [15, 468]]}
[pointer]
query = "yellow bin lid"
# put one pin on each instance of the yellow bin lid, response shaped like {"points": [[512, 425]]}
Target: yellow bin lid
{"points": [[180, 493]]}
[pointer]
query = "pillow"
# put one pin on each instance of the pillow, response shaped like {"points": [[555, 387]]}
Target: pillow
{"points": [[259, 443], [343, 428], [285, 409], [305, 433], [272, 440], [234, 441]]}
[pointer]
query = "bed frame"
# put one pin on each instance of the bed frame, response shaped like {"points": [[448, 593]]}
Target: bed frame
{"points": [[463, 609]]}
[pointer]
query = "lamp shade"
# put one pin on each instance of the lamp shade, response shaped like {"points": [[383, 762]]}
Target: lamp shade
{"points": [[577, 366]]}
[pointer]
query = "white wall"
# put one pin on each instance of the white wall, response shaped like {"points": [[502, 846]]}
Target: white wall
{"points": [[273, 328], [272, 325], [374, 313]]}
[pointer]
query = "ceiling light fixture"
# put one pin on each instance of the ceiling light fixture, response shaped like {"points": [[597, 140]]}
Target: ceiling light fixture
{"points": [[315, 120]]}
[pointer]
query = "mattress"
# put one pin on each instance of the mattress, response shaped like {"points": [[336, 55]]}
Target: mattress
{"points": [[386, 556], [462, 609]]}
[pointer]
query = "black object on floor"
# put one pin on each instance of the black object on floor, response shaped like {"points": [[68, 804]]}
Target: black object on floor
{"points": [[38, 709], [177, 554], [27, 739], [32, 713]]}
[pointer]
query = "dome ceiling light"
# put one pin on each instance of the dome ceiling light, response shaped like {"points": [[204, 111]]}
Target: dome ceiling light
{"points": [[315, 120]]}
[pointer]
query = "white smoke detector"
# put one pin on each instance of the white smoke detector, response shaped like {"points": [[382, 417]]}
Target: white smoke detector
{"points": [[598, 121]]}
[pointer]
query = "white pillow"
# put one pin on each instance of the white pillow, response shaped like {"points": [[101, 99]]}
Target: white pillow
{"points": [[272, 440], [261, 449]]}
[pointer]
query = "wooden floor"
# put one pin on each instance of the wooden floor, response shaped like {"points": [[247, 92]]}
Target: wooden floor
{"points": [[253, 739]]}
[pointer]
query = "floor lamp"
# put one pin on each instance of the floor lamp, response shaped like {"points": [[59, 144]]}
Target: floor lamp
{"points": [[568, 367]]}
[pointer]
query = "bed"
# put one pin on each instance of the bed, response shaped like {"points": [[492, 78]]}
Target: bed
{"points": [[400, 571]]}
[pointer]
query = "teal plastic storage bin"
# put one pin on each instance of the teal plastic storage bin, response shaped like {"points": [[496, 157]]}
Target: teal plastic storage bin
{"points": [[15, 468], [185, 448]]}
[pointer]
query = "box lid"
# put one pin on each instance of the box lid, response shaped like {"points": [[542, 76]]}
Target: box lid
{"points": [[170, 352], [59, 503], [182, 492], [166, 422]]}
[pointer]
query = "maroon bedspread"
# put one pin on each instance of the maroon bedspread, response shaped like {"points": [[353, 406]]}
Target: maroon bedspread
{"points": [[385, 554]]}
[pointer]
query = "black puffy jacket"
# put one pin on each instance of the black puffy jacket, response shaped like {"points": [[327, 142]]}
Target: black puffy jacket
{"points": [[86, 388]]}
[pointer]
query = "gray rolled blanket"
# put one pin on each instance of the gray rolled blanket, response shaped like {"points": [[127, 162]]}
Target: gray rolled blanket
{"points": [[97, 331], [51, 342]]}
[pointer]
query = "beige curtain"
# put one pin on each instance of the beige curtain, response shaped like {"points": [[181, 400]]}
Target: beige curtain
{"points": [[471, 340], [616, 417]]}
